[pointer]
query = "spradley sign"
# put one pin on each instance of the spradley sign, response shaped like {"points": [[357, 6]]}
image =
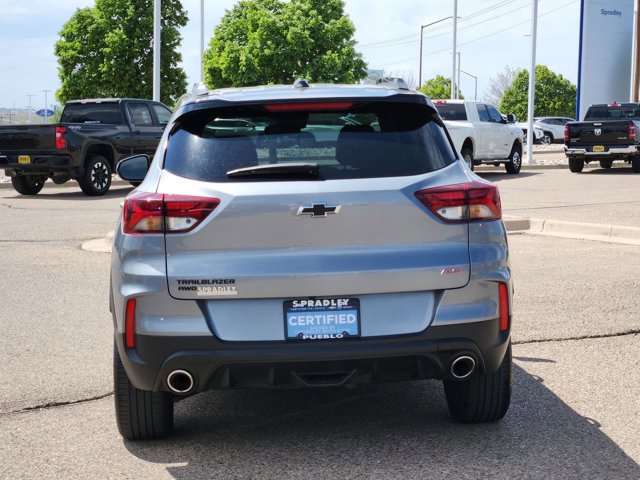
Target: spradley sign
{"points": [[606, 39]]}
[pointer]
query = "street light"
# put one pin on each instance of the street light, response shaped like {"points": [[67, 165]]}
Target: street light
{"points": [[156, 49], [421, 29], [475, 95], [532, 80]]}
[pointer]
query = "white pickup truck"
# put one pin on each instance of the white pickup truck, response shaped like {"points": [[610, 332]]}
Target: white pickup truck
{"points": [[482, 134]]}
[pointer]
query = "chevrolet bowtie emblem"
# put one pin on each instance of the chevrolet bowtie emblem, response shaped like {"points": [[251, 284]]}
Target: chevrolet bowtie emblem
{"points": [[318, 209]]}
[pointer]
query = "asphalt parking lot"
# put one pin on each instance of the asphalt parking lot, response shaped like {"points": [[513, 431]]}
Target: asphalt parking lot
{"points": [[575, 411]]}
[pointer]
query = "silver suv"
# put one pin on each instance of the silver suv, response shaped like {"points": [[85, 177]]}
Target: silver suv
{"points": [[307, 236]]}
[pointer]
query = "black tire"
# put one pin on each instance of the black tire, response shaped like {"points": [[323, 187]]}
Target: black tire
{"points": [[576, 164], [606, 163], [140, 414], [467, 155], [481, 397], [28, 184], [96, 179], [635, 164], [547, 138], [514, 164]]}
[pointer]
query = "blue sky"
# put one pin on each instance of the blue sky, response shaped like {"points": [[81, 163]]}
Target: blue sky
{"points": [[491, 35]]}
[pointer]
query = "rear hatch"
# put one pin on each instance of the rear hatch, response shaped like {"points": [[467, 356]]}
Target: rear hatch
{"points": [[299, 215]]}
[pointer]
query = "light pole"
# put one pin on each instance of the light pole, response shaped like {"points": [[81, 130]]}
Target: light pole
{"points": [[532, 81], [475, 93], [156, 49], [202, 40], [455, 40], [45, 105], [30, 107], [458, 84], [421, 29]]}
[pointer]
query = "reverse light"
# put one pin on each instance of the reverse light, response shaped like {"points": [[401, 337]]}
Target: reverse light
{"points": [[308, 106], [463, 202], [61, 142], [165, 213], [504, 307], [130, 324]]}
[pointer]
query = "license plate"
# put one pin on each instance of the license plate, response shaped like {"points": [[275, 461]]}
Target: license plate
{"points": [[598, 148], [322, 319], [24, 159]]}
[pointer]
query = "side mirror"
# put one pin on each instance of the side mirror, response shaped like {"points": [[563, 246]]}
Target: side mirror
{"points": [[133, 169], [511, 118]]}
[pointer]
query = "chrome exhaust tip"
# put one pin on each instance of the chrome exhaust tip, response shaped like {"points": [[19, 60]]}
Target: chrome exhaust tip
{"points": [[180, 382], [462, 367]]}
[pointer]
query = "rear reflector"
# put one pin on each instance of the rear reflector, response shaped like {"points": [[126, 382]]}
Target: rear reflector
{"points": [[504, 307], [463, 202], [164, 213], [61, 142], [130, 324], [307, 106]]}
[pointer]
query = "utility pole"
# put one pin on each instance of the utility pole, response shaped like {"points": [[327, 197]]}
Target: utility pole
{"points": [[30, 107], [458, 84], [156, 49], [455, 40], [532, 81], [45, 106]]}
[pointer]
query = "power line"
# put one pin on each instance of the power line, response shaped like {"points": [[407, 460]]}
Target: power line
{"points": [[484, 36]]}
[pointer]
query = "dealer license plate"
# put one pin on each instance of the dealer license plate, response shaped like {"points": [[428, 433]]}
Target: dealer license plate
{"points": [[322, 319], [24, 159], [598, 148]]}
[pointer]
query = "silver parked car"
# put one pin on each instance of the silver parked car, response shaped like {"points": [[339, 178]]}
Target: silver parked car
{"points": [[281, 260]]}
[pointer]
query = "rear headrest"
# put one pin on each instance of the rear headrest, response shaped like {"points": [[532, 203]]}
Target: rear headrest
{"points": [[352, 148]]}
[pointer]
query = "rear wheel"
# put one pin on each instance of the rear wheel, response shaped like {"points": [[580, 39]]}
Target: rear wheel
{"points": [[467, 154], [514, 164], [547, 138], [635, 164], [481, 398], [606, 163], [576, 164], [140, 414], [28, 184], [96, 179]]}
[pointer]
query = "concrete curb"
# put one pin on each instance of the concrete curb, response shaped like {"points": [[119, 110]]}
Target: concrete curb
{"points": [[578, 230]]}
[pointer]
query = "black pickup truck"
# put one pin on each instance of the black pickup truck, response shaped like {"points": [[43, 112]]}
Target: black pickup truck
{"points": [[608, 133], [92, 136]]}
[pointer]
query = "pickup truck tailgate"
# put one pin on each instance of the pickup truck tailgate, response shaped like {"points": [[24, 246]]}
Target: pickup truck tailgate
{"points": [[26, 137], [599, 133]]}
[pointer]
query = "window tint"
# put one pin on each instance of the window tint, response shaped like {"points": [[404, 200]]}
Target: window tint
{"points": [[494, 115], [482, 112], [452, 111], [612, 113], [162, 113], [92, 113], [140, 114], [376, 140]]}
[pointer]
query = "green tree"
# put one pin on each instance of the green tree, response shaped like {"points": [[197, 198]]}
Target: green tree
{"points": [[554, 95], [438, 87], [274, 42], [107, 51]]}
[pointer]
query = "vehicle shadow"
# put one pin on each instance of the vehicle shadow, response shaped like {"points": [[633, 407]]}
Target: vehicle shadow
{"points": [[620, 170], [382, 431], [70, 193], [498, 176]]}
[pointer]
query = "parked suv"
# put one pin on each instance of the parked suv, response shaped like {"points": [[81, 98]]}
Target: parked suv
{"points": [[309, 255]]}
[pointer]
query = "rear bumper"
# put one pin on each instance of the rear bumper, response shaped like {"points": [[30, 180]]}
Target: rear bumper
{"points": [[612, 151], [215, 364], [41, 164]]}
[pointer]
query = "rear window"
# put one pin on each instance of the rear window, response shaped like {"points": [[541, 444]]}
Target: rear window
{"points": [[92, 113], [368, 141], [452, 111], [613, 113]]}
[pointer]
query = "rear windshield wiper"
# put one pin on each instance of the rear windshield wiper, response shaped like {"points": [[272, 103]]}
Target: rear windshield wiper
{"points": [[309, 169]]}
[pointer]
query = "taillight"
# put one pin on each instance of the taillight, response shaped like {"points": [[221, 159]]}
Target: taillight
{"points": [[566, 134], [463, 202], [61, 142], [631, 131], [165, 213], [503, 295], [130, 324]]}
